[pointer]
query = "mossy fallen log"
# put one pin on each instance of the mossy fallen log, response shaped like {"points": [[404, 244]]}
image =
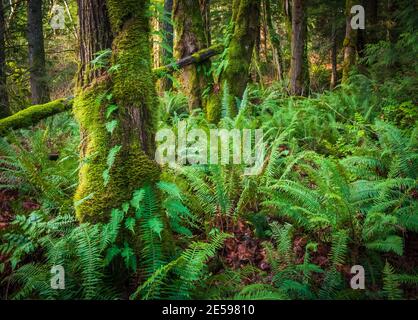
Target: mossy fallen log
{"points": [[34, 114]]}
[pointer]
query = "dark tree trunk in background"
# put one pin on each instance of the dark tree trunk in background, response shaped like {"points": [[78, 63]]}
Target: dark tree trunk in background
{"points": [[275, 42], [350, 43], [391, 23], [38, 76], [372, 9], [361, 33], [334, 72], [167, 55], [205, 11], [4, 100], [95, 35], [190, 37], [235, 76], [372, 18], [299, 75]]}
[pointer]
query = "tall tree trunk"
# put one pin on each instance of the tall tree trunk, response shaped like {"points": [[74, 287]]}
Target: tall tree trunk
{"points": [[205, 11], [391, 23], [190, 37], [38, 76], [334, 72], [116, 159], [275, 43], [299, 73], [235, 76], [287, 11], [372, 15], [4, 99], [350, 42], [95, 35], [255, 74], [167, 55]]}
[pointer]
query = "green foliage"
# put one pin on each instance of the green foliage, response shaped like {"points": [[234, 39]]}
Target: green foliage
{"points": [[338, 186], [27, 164], [78, 248], [187, 272]]}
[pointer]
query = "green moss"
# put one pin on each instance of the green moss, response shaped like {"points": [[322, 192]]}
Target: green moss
{"points": [[197, 58], [132, 167], [122, 10], [240, 50], [133, 90], [32, 115], [134, 85], [190, 37], [213, 108]]}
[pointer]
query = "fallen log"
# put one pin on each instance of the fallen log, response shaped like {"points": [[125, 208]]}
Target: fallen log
{"points": [[34, 114]]}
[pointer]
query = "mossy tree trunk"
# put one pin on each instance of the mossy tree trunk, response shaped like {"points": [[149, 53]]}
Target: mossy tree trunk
{"points": [[372, 18], [167, 55], [234, 77], [130, 142], [190, 37], [350, 43], [299, 69], [333, 56], [275, 42], [287, 12], [4, 98], [37, 70]]}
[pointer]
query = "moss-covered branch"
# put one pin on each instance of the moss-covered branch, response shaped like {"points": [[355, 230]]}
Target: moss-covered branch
{"points": [[197, 57], [34, 114]]}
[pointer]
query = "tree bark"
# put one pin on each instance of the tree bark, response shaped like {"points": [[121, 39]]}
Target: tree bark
{"points": [[167, 55], [205, 11], [95, 35], [189, 38], [38, 76], [350, 42], [4, 98], [275, 43], [334, 71], [235, 76], [131, 88], [299, 74]]}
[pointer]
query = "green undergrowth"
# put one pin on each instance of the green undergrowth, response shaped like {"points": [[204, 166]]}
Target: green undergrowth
{"points": [[338, 188]]}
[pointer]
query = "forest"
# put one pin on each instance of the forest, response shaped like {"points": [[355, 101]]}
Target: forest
{"points": [[208, 150]]}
